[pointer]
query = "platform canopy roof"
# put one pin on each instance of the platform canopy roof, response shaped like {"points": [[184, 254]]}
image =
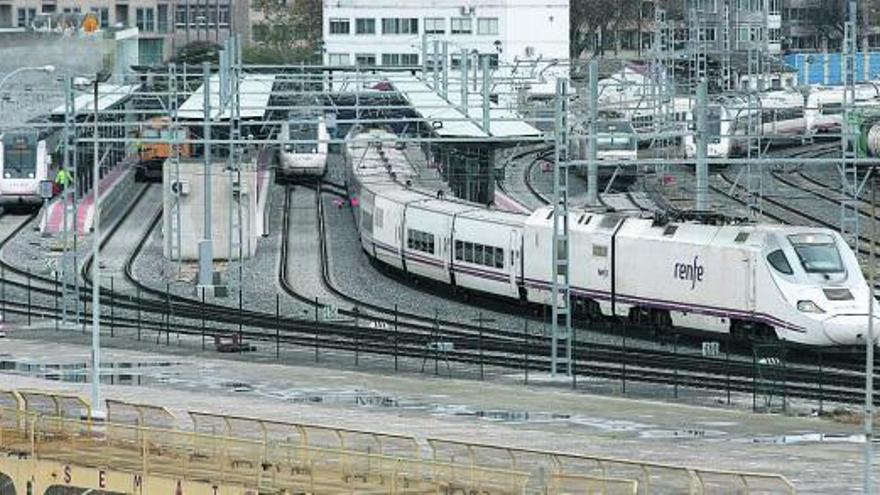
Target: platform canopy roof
{"points": [[254, 92], [451, 120], [108, 96]]}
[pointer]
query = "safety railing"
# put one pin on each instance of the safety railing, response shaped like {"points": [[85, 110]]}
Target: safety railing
{"points": [[274, 454], [229, 460], [651, 477]]}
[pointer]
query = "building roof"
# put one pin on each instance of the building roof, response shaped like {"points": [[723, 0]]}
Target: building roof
{"points": [[254, 92]]}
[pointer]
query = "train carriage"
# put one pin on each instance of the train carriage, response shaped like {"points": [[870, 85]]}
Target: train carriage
{"points": [[428, 228], [487, 247], [801, 284], [389, 207], [24, 163]]}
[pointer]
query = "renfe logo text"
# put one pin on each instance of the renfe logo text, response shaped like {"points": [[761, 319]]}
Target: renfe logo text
{"points": [[692, 272]]}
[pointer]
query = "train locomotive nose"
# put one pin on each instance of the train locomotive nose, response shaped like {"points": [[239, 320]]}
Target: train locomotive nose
{"points": [[849, 329]]}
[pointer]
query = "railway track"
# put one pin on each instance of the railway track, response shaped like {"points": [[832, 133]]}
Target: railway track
{"points": [[484, 347]]}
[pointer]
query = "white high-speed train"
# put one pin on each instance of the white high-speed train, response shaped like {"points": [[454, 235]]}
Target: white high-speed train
{"points": [[24, 162], [800, 284], [779, 117], [303, 160]]}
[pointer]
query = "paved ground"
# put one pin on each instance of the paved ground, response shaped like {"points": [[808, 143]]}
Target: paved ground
{"points": [[819, 455]]}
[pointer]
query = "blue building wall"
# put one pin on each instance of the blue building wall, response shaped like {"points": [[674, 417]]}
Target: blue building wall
{"points": [[835, 67]]}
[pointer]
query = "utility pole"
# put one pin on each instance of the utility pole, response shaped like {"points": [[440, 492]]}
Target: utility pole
{"points": [[206, 245], [869, 356], [97, 407]]}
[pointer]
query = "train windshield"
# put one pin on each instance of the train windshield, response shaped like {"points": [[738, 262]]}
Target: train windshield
{"points": [[302, 132], [817, 253], [19, 155], [615, 136]]}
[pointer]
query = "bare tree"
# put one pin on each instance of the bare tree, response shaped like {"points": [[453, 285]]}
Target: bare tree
{"points": [[290, 31], [594, 22]]}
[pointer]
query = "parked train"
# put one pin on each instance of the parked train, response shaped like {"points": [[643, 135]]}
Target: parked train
{"points": [[303, 160], [778, 117], [616, 143], [25, 162], [152, 154], [800, 284]]}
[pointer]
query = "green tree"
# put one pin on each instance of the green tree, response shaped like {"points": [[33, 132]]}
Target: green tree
{"points": [[197, 52], [290, 32]]}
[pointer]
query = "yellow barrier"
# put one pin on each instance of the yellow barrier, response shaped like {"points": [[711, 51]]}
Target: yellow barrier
{"points": [[48, 436]]}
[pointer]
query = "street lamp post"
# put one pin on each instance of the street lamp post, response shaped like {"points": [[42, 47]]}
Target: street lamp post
{"points": [[97, 407], [45, 68]]}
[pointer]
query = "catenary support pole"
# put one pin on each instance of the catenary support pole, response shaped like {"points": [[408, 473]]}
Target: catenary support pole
{"points": [[869, 356], [97, 405], [593, 163], [702, 165], [206, 247]]}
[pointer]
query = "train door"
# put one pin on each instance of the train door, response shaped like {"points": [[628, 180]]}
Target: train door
{"points": [[512, 260], [445, 233], [749, 259], [602, 252]]}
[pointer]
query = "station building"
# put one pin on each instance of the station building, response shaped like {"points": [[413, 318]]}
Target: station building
{"points": [[371, 33]]}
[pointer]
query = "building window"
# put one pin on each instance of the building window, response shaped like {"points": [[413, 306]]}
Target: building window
{"points": [[340, 26], [145, 19], [707, 34], [26, 17], [461, 25], [336, 59], [491, 57], [479, 254], [365, 26], [435, 25], [121, 15], [487, 25], [455, 61], [48, 8], [774, 34], [420, 241], [400, 26], [223, 15], [365, 60], [162, 17], [400, 59]]}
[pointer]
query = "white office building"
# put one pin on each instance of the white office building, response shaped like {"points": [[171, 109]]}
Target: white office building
{"points": [[390, 32]]}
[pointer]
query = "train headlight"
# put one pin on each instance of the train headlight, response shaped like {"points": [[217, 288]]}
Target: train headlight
{"points": [[30, 175], [809, 307]]}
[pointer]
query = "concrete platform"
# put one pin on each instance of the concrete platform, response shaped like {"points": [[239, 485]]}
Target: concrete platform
{"points": [[819, 455], [114, 187]]}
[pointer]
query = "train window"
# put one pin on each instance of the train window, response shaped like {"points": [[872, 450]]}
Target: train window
{"points": [[778, 261], [741, 237], [367, 220], [378, 218], [420, 241], [669, 231], [609, 222], [817, 253], [479, 254], [600, 251]]}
